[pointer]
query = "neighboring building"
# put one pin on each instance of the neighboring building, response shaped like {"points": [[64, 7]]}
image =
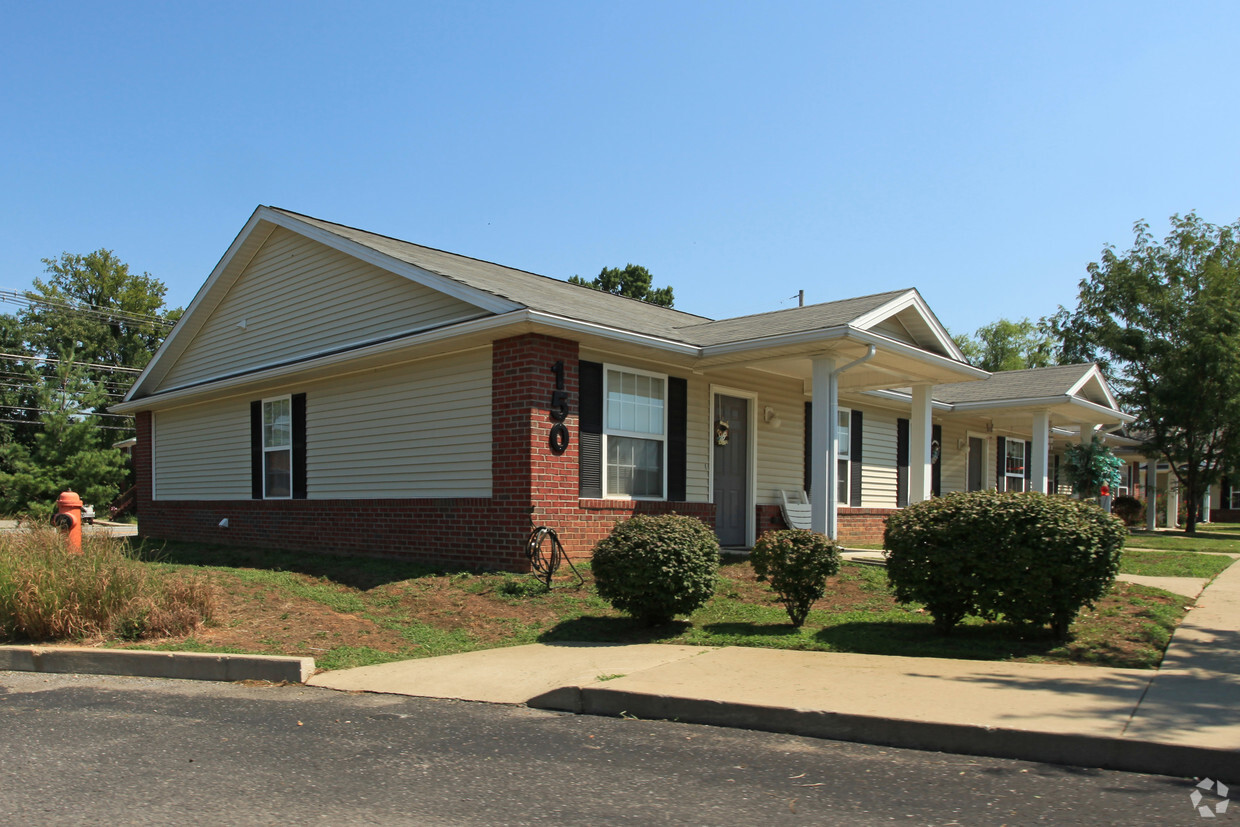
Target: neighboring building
{"points": [[335, 389]]}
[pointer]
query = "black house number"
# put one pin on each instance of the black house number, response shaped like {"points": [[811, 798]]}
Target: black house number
{"points": [[558, 439]]}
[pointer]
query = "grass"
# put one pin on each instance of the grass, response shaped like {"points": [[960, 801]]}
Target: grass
{"points": [[48, 592], [1173, 563], [1216, 537], [349, 612]]}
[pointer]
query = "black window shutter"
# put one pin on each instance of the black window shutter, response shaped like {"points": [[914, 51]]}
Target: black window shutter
{"points": [[256, 450], [1000, 464], [854, 460], [902, 439], [936, 470], [677, 428], [590, 428], [809, 441], [1028, 464], [299, 446]]}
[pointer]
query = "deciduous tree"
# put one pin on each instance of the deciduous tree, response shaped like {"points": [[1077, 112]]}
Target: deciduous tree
{"points": [[633, 281], [1164, 322]]}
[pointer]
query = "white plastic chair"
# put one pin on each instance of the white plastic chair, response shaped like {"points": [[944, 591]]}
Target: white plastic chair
{"points": [[796, 509]]}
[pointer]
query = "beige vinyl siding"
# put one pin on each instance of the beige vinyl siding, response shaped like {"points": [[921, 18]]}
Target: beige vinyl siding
{"points": [[202, 452], [298, 297], [781, 451], [954, 459], [893, 328], [418, 430], [878, 459]]}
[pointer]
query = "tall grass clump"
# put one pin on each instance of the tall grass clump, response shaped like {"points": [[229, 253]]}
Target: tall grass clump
{"points": [[48, 593]]}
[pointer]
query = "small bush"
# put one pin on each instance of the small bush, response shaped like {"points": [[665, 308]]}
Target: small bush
{"points": [[797, 564], [48, 593], [1028, 558], [1129, 509], [656, 567]]}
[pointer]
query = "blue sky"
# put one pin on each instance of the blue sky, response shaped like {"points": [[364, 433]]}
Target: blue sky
{"points": [[981, 152]]}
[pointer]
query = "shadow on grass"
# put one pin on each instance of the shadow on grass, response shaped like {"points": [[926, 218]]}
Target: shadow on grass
{"points": [[991, 641], [363, 573], [593, 629], [754, 630]]}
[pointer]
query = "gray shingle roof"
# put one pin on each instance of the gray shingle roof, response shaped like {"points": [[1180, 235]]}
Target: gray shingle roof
{"points": [[791, 320], [1034, 383], [573, 301]]}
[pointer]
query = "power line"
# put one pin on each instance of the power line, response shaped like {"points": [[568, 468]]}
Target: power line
{"points": [[101, 311], [19, 357], [41, 423], [73, 413]]}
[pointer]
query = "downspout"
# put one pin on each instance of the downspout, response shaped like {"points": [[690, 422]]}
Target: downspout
{"points": [[833, 418]]}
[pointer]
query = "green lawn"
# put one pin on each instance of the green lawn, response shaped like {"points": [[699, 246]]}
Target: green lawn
{"points": [[1221, 537], [1173, 563]]}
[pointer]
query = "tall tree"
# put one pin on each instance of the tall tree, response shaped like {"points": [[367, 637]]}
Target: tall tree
{"points": [[1163, 320], [634, 281], [85, 331], [1009, 345]]}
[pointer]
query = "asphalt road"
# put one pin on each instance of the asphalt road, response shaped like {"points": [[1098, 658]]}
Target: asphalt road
{"points": [[93, 749]]}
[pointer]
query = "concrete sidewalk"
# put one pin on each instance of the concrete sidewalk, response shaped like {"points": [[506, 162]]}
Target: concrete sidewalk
{"points": [[1180, 720]]}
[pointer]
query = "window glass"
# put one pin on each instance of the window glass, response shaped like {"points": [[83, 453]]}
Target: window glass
{"points": [[277, 448], [634, 433], [1015, 464], [843, 453]]}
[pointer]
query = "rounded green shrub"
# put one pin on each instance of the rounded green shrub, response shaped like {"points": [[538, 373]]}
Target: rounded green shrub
{"points": [[1129, 509], [656, 567], [797, 564], [1027, 558]]}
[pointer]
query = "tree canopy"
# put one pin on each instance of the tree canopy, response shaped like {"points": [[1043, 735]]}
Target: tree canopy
{"points": [[1011, 345], [1163, 321], [76, 345], [634, 281]]}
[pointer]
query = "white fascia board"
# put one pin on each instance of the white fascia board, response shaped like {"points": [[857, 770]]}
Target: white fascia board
{"points": [[848, 332], [188, 318], [1092, 373], [1106, 414], [911, 298], [210, 387], [907, 399], [442, 284], [959, 366], [615, 334]]}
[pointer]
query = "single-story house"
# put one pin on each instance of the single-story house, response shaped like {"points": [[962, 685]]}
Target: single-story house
{"points": [[336, 389]]}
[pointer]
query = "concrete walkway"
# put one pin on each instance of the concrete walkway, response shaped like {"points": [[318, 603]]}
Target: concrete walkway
{"points": [[1182, 720]]}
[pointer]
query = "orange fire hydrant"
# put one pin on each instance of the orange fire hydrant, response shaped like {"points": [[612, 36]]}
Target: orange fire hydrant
{"points": [[68, 518]]}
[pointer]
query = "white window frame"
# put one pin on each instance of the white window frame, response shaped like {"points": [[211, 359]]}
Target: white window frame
{"points": [[609, 432], [278, 448], [1233, 499], [843, 456], [1008, 475]]}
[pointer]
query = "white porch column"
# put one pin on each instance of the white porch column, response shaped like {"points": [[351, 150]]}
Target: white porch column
{"points": [[1173, 501], [822, 469], [919, 445], [1040, 448], [1205, 506], [1151, 495]]}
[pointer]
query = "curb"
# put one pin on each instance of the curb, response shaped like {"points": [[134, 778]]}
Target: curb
{"points": [[995, 742], [196, 666]]}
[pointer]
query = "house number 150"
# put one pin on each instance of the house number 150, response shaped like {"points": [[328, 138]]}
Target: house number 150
{"points": [[558, 438]]}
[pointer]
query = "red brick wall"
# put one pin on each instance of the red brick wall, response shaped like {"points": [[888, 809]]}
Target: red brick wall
{"points": [[854, 525]]}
